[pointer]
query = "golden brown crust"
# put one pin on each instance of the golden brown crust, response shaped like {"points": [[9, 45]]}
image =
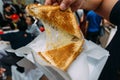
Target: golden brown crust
{"points": [[39, 53], [64, 20], [72, 40], [62, 57]]}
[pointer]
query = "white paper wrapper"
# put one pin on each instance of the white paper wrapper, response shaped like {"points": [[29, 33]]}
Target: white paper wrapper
{"points": [[87, 66], [3, 46]]}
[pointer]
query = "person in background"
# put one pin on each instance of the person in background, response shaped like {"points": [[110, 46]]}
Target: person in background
{"points": [[19, 11], [7, 12], [32, 27], [2, 21], [79, 14], [17, 40], [93, 31], [106, 23], [81, 17], [1, 71], [15, 19], [13, 24]]}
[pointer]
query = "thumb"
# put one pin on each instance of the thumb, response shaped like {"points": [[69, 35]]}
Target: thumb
{"points": [[48, 2], [66, 4]]}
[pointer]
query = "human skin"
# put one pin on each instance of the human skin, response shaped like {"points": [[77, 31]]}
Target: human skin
{"points": [[1, 71], [102, 7]]}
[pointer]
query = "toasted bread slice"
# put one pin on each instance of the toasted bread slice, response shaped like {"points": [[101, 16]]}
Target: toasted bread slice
{"points": [[52, 15], [62, 57], [64, 39]]}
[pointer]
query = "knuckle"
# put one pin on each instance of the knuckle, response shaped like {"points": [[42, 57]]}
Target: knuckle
{"points": [[68, 2]]}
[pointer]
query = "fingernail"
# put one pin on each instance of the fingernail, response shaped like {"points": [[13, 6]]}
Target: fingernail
{"points": [[62, 6]]}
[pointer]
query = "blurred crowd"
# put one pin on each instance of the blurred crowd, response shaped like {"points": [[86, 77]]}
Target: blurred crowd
{"points": [[92, 25], [19, 29], [14, 18]]}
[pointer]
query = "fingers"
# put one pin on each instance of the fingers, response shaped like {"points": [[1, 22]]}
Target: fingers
{"points": [[55, 4], [76, 5], [66, 4], [49, 2]]}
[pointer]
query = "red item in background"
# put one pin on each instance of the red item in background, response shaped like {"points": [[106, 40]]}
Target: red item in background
{"points": [[1, 31], [14, 17], [42, 29]]}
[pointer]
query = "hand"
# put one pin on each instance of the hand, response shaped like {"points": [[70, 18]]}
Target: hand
{"points": [[75, 4], [2, 70], [102, 7]]}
